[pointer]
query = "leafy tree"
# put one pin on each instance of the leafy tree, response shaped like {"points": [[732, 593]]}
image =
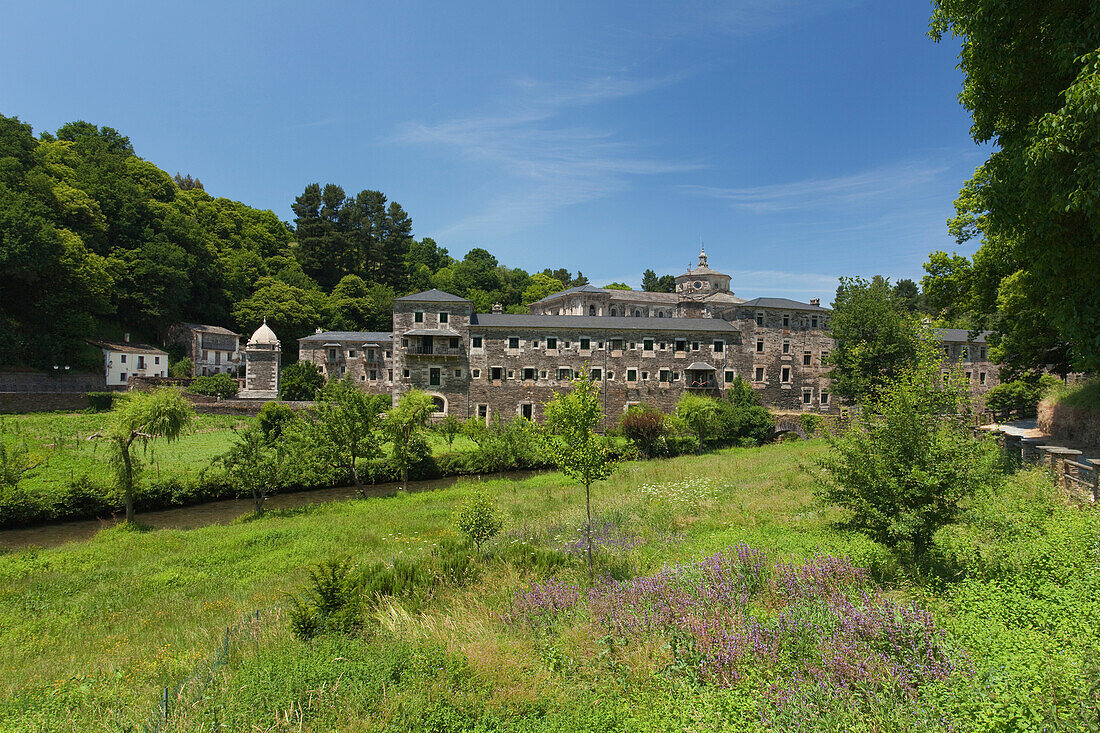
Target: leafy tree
{"points": [[255, 463], [345, 426], [579, 451], [301, 380], [875, 338], [908, 296], [273, 419], [479, 518], [644, 426], [291, 312], [494, 450], [144, 417], [187, 183], [1032, 86], [654, 284], [617, 286], [906, 463], [449, 427], [405, 426], [15, 465], [182, 369], [540, 287], [700, 414]]}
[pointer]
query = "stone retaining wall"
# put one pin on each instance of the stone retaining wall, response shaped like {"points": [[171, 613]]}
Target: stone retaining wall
{"points": [[20, 402], [1069, 423]]}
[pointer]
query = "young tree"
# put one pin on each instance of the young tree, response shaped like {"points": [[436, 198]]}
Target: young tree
{"points": [[145, 416], [404, 427], [905, 464], [579, 451], [493, 447], [345, 423], [449, 427], [644, 426], [699, 413], [479, 518], [875, 338], [256, 463]]}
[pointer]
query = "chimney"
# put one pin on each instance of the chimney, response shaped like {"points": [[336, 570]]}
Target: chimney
{"points": [[498, 308], [815, 301], [126, 337]]}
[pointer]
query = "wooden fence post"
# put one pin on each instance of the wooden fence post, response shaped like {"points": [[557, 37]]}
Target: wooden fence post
{"points": [[1095, 463]]}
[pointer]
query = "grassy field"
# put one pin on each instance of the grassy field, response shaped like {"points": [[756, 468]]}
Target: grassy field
{"points": [[92, 631]]}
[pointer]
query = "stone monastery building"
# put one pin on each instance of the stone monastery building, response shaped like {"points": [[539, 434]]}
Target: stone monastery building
{"points": [[641, 347]]}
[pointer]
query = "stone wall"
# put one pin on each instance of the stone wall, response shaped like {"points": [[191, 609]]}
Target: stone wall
{"points": [[60, 381], [20, 402], [786, 347]]}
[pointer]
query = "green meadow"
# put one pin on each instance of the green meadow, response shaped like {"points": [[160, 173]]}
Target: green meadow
{"points": [[93, 631]]}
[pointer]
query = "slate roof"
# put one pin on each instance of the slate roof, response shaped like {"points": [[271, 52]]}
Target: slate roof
{"points": [[433, 296], [609, 323], [348, 336], [432, 332], [130, 347], [960, 334], [569, 291], [782, 303], [698, 366], [203, 328]]}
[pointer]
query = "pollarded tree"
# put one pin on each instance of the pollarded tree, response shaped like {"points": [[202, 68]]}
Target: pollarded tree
{"points": [[578, 450], [345, 425], [405, 427], [144, 417]]}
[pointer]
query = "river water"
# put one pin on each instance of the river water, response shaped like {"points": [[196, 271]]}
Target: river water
{"points": [[202, 515]]}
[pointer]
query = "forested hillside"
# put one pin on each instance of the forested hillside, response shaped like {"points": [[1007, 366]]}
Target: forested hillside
{"points": [[95, 240]]}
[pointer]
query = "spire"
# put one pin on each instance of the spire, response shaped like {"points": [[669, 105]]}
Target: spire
{"points": [[702, 255]]}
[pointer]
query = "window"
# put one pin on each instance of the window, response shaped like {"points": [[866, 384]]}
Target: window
{"points": [[528, 374], [632, 346], [813, 321], [390, 372], [647, 345], [418, 317], [786, 346], [694, 345], [759, 318], [591, 310], [388, 353], [730, 376], [632, 375], [760, 345], [824, 398], [122, 359], [483, 411], [406, 374], [610, 376], [824, 355], [443, 317], [373, 375], [205, 355], [370, 354], [981, 378], [511, 373], [616, 344], [453, 342], [551, 343], [613, 312], [458, 374], [122, 377], [969, 376], [719, 347], [983, 354], [586, 344], [565, 344], [675, 376], [513, 342], [645, 376], [475, 342], [786, 320], [440, 405], [332, 354], [156, 360], [681, 345], [526, 410], [807, 396], [542, 374], [596, 374], [496, 374], [637, 314], [807, 358], [785, 375], [565, 373], [664, 376], [475, 373], [351, 353], [404, 343], [759, 374]]}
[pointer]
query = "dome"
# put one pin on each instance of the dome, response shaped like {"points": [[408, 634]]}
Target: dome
{"points": [[264, 336]]}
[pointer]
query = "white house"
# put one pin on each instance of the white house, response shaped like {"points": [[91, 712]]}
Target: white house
{"points": [[125, 359]]}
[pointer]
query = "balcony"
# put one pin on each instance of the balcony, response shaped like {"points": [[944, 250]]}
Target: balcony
{"points": [[446, 352], [703, 384]]}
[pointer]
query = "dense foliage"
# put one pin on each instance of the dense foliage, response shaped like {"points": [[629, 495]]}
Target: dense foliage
{"points": [[1032, 86], [217, 385], [94, 240]]}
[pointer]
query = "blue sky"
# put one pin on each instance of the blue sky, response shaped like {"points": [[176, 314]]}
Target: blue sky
{"points": [[799, 139]]}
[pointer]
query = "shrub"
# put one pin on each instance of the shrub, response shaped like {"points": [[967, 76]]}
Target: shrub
{"points": [[219, 385], [1017, 395], [274, 417], [182, 369], [100, 401], [644, 426], [331, 602], [479, 518]]}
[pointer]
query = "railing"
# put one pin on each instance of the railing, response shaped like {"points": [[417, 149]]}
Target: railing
{"points": [[432, 351], [1079, 477], [702, 384]]}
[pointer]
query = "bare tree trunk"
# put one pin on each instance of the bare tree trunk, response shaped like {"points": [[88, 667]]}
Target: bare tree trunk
{"points": [[405, 477], [588, 527], [127, 478], [258, 502], [358, 484]]}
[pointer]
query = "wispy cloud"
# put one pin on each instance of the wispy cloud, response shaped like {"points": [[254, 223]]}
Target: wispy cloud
{"points": [[886, 182], [738, 18], [547, 164]]}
